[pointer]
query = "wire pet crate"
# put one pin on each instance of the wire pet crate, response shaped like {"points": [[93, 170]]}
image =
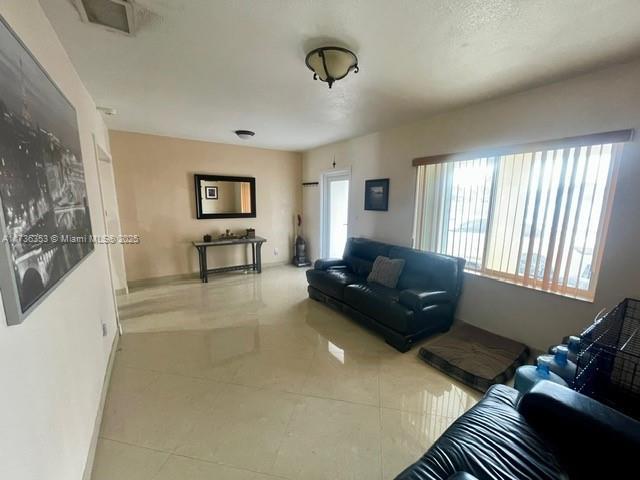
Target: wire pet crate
{"points": [[609, 359]]}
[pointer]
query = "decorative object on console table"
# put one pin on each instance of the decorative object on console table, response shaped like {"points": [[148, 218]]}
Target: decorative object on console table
{"points": [[207, 238], [42, 184], [300, 256], [376, 194], [227, 235], [251, 233]]}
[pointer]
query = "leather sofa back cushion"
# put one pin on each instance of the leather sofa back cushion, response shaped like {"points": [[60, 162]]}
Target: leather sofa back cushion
{"points": [[360, 253], [358, 266], [428, 271], [386, 271]]}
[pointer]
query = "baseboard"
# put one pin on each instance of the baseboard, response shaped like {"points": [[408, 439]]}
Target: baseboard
{"points": [[163, 280], [155, 281], [88, 468], [277, 264]]}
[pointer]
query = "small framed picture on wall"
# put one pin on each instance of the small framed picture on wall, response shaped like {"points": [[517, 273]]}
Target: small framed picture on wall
{"points": [[211, 193], [376, 194]]}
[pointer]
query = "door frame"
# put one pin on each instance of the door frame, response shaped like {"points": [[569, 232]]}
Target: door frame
{"points": [[324, 180], [102, 156]]}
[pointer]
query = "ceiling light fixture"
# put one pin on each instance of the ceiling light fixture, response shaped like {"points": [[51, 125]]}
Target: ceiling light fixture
{"points": [[331, 63], [245, 134]]}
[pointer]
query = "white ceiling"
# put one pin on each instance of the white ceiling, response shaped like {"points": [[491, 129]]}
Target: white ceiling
{"points": [[204, 68]]}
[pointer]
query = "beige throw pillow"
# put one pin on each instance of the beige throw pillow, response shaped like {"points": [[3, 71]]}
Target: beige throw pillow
{"points": [[386, 271]]}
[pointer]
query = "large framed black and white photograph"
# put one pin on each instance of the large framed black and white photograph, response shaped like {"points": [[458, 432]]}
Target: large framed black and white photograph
{"points": [[376, 194], [44, 217]]}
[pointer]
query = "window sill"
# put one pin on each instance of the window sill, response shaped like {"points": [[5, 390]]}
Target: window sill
{"points": [[569, 296]]}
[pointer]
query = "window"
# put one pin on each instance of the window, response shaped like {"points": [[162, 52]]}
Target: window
{"points": [[533, 215]]}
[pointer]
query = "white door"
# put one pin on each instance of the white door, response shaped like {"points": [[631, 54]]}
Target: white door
{"points": [[335, 213], [111, 219], [112, 222]]}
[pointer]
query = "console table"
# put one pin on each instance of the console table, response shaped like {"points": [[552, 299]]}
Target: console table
{"points": [[256, 257]]}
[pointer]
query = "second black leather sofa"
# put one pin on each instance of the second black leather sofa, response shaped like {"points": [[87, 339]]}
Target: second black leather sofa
{"points": [[551, 432]]}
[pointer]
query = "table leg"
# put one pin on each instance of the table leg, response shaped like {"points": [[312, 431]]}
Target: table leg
{"points": [[204, 265], [200, 262], [259, 257], [253, 256]]}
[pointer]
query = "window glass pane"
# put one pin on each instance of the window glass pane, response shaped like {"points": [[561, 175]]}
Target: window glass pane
{"points": [[533, 218], [459, 215]]}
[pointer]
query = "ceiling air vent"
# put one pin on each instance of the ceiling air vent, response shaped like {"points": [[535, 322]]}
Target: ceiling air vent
{"points": [[112, 14]]}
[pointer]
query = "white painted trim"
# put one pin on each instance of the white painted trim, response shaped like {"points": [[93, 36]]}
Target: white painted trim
{"points": [[91, 455], [324, 176], [102, 156]]}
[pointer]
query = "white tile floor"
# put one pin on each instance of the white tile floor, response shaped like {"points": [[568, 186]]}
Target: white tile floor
{"points": [[247, 378]]}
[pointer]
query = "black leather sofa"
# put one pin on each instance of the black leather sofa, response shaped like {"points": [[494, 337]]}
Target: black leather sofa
{"points": [[552, 432], [423, 303]]}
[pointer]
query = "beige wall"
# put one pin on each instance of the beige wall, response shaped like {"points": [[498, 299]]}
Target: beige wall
{"points": [[53, 365], [154, 181], [601, 101]]}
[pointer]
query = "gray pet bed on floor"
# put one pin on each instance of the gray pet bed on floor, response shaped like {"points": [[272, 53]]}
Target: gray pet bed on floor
{"points": [[474, 356]]}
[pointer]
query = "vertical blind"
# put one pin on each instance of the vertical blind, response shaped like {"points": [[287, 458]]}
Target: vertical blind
{"points": [[537, 218]]}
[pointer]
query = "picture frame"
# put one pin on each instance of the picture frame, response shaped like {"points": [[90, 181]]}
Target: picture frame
{"points": [[211, 193], [376, 195], [223, 196], [44, 208]]}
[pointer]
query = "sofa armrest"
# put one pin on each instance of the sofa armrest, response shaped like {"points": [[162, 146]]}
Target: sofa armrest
{"points": [[579, 428], [417, 299], [326, 263]]}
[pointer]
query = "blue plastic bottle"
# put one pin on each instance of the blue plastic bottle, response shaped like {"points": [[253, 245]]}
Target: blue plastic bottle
{"points": [[528, 375], [574, 348], [560, 364]]}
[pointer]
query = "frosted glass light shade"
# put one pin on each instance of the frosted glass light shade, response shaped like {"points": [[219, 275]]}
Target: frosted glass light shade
{"points": [[331, 63]]}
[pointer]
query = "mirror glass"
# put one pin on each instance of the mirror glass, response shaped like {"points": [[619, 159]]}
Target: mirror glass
{"points": [[225, 197]]}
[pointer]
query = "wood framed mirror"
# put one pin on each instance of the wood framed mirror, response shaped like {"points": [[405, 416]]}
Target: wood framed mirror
{"points": [[220, 196]]}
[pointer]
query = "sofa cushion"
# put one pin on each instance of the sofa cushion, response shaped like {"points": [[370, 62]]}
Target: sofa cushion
{"points": [[381, 304], [360, 254], [386, 271], [429, 271], [418, 299], [326, 263], [358, 265], [332, 282], [597, 431], [492, 440]]}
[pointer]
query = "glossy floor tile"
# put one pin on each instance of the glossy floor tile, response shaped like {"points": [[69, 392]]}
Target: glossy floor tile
{"points": [[159, 411], [246, 378], [181, 468], [405, 437], [244, 428], [330, 439], [115, 460]]}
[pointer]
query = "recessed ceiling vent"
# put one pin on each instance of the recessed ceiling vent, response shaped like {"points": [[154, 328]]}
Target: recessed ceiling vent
{"points": [[116, 15]]}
